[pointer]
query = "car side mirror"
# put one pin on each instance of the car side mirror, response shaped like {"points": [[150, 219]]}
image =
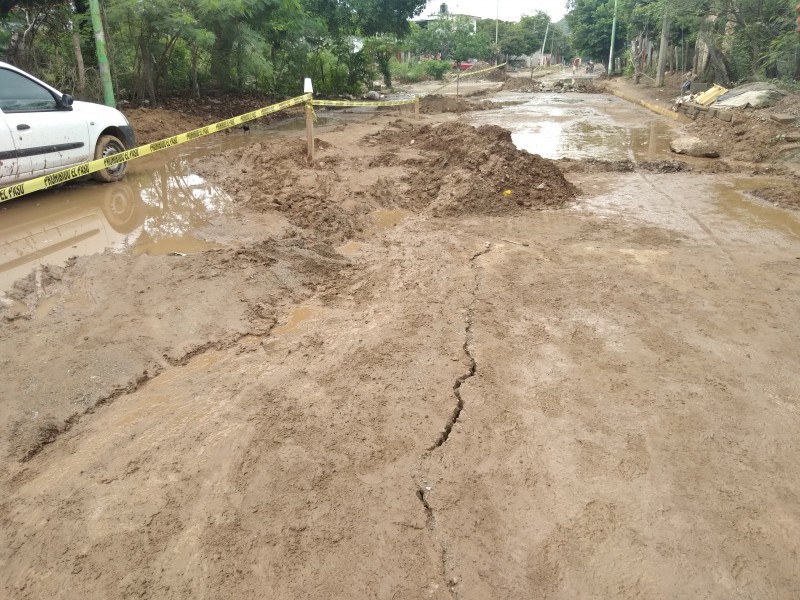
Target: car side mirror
{"points": [[67, 100]]}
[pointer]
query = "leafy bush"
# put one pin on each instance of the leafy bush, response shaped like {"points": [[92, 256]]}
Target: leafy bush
{"points": [[437, 68], [408, 72]]}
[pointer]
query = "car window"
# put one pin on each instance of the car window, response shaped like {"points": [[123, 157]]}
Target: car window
{"points": [[20, 94]]}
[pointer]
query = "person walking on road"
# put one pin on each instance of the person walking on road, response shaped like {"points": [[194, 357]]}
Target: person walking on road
{"points": [[576, 62]]}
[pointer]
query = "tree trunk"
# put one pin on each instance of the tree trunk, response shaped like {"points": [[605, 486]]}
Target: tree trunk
{"points": [[664, 49], [195, 83], [20, 43], [637, 71], [76, 44], [147, 70]]}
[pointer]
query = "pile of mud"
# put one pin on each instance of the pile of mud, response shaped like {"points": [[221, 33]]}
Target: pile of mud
{"points": [[493, 75], [475, 171], [436, 104], [447, 170], [599, 165], [522, 84], [152, 124], [276, 177], [528, 85]]}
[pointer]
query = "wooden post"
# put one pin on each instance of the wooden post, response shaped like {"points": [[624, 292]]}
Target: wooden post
{"points": [[416, 109], [310, 131]]}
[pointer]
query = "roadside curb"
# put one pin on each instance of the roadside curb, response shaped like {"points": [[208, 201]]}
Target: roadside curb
{"points": [[664, 112]]}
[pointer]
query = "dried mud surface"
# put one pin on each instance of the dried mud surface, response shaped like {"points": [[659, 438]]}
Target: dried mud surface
{"points": [[481, 394]]}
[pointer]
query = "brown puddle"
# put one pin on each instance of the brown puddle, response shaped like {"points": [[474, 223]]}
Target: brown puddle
{"points": [[380, 220], [299, 124], [733, 203], [297, 318], [581, 126], [384, 219], [155, 210]]}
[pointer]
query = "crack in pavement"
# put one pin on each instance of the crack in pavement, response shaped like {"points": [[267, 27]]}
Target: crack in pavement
{"points": [[473, 366], [430, 517]]}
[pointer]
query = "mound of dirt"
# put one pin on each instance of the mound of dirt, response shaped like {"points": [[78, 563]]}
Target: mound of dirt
{"points": [[599, 165], [494, 75], [752, 136], [447, 170], [276, 177], [151, 124], [436, 103], [526, 84], [522, 84], [181, 115], [469, 171]]}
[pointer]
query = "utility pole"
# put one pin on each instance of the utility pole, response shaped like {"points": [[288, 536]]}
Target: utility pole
{"points": [[544, 41], [613, 35], [102, 57]]}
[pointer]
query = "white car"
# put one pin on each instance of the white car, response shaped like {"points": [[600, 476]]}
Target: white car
{"points": [[43, 130]]}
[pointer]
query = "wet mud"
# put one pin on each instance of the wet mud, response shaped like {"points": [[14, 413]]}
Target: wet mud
{"points": [[432, 364]]}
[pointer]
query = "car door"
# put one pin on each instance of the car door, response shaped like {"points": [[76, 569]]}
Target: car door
{"points": [[46, 133], [12, 167]]}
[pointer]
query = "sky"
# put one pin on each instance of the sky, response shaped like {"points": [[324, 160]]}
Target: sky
{"points": [[510, 10]]}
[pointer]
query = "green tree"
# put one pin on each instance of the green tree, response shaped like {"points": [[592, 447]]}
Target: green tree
{"points": [[450, 37]]}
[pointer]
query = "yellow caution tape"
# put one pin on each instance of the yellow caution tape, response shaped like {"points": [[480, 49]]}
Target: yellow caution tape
{"points": [[41, 183], [310, 107], [462, 76], [363, 103]]}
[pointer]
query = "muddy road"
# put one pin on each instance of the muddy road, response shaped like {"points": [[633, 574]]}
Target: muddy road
{"points": [[428, 365]]}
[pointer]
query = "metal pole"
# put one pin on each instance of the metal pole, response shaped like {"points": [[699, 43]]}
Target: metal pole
{"points": [[102, 57], [613, 35]]}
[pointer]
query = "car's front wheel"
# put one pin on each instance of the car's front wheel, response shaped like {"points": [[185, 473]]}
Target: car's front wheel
{"points": [[106, 146]]}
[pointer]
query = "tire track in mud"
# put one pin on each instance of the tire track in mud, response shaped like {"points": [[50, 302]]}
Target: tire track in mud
{"points": [[422, 490], [731, 271], [660, 191]]}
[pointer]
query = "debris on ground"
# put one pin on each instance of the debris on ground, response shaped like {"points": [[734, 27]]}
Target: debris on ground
{"points": [[577, 84], [692, 146], [600, 165], [752, 95], [436, 103], [740, 131]]}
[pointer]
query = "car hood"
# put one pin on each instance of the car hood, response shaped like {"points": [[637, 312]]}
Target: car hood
{"points": [[100, 113]]}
